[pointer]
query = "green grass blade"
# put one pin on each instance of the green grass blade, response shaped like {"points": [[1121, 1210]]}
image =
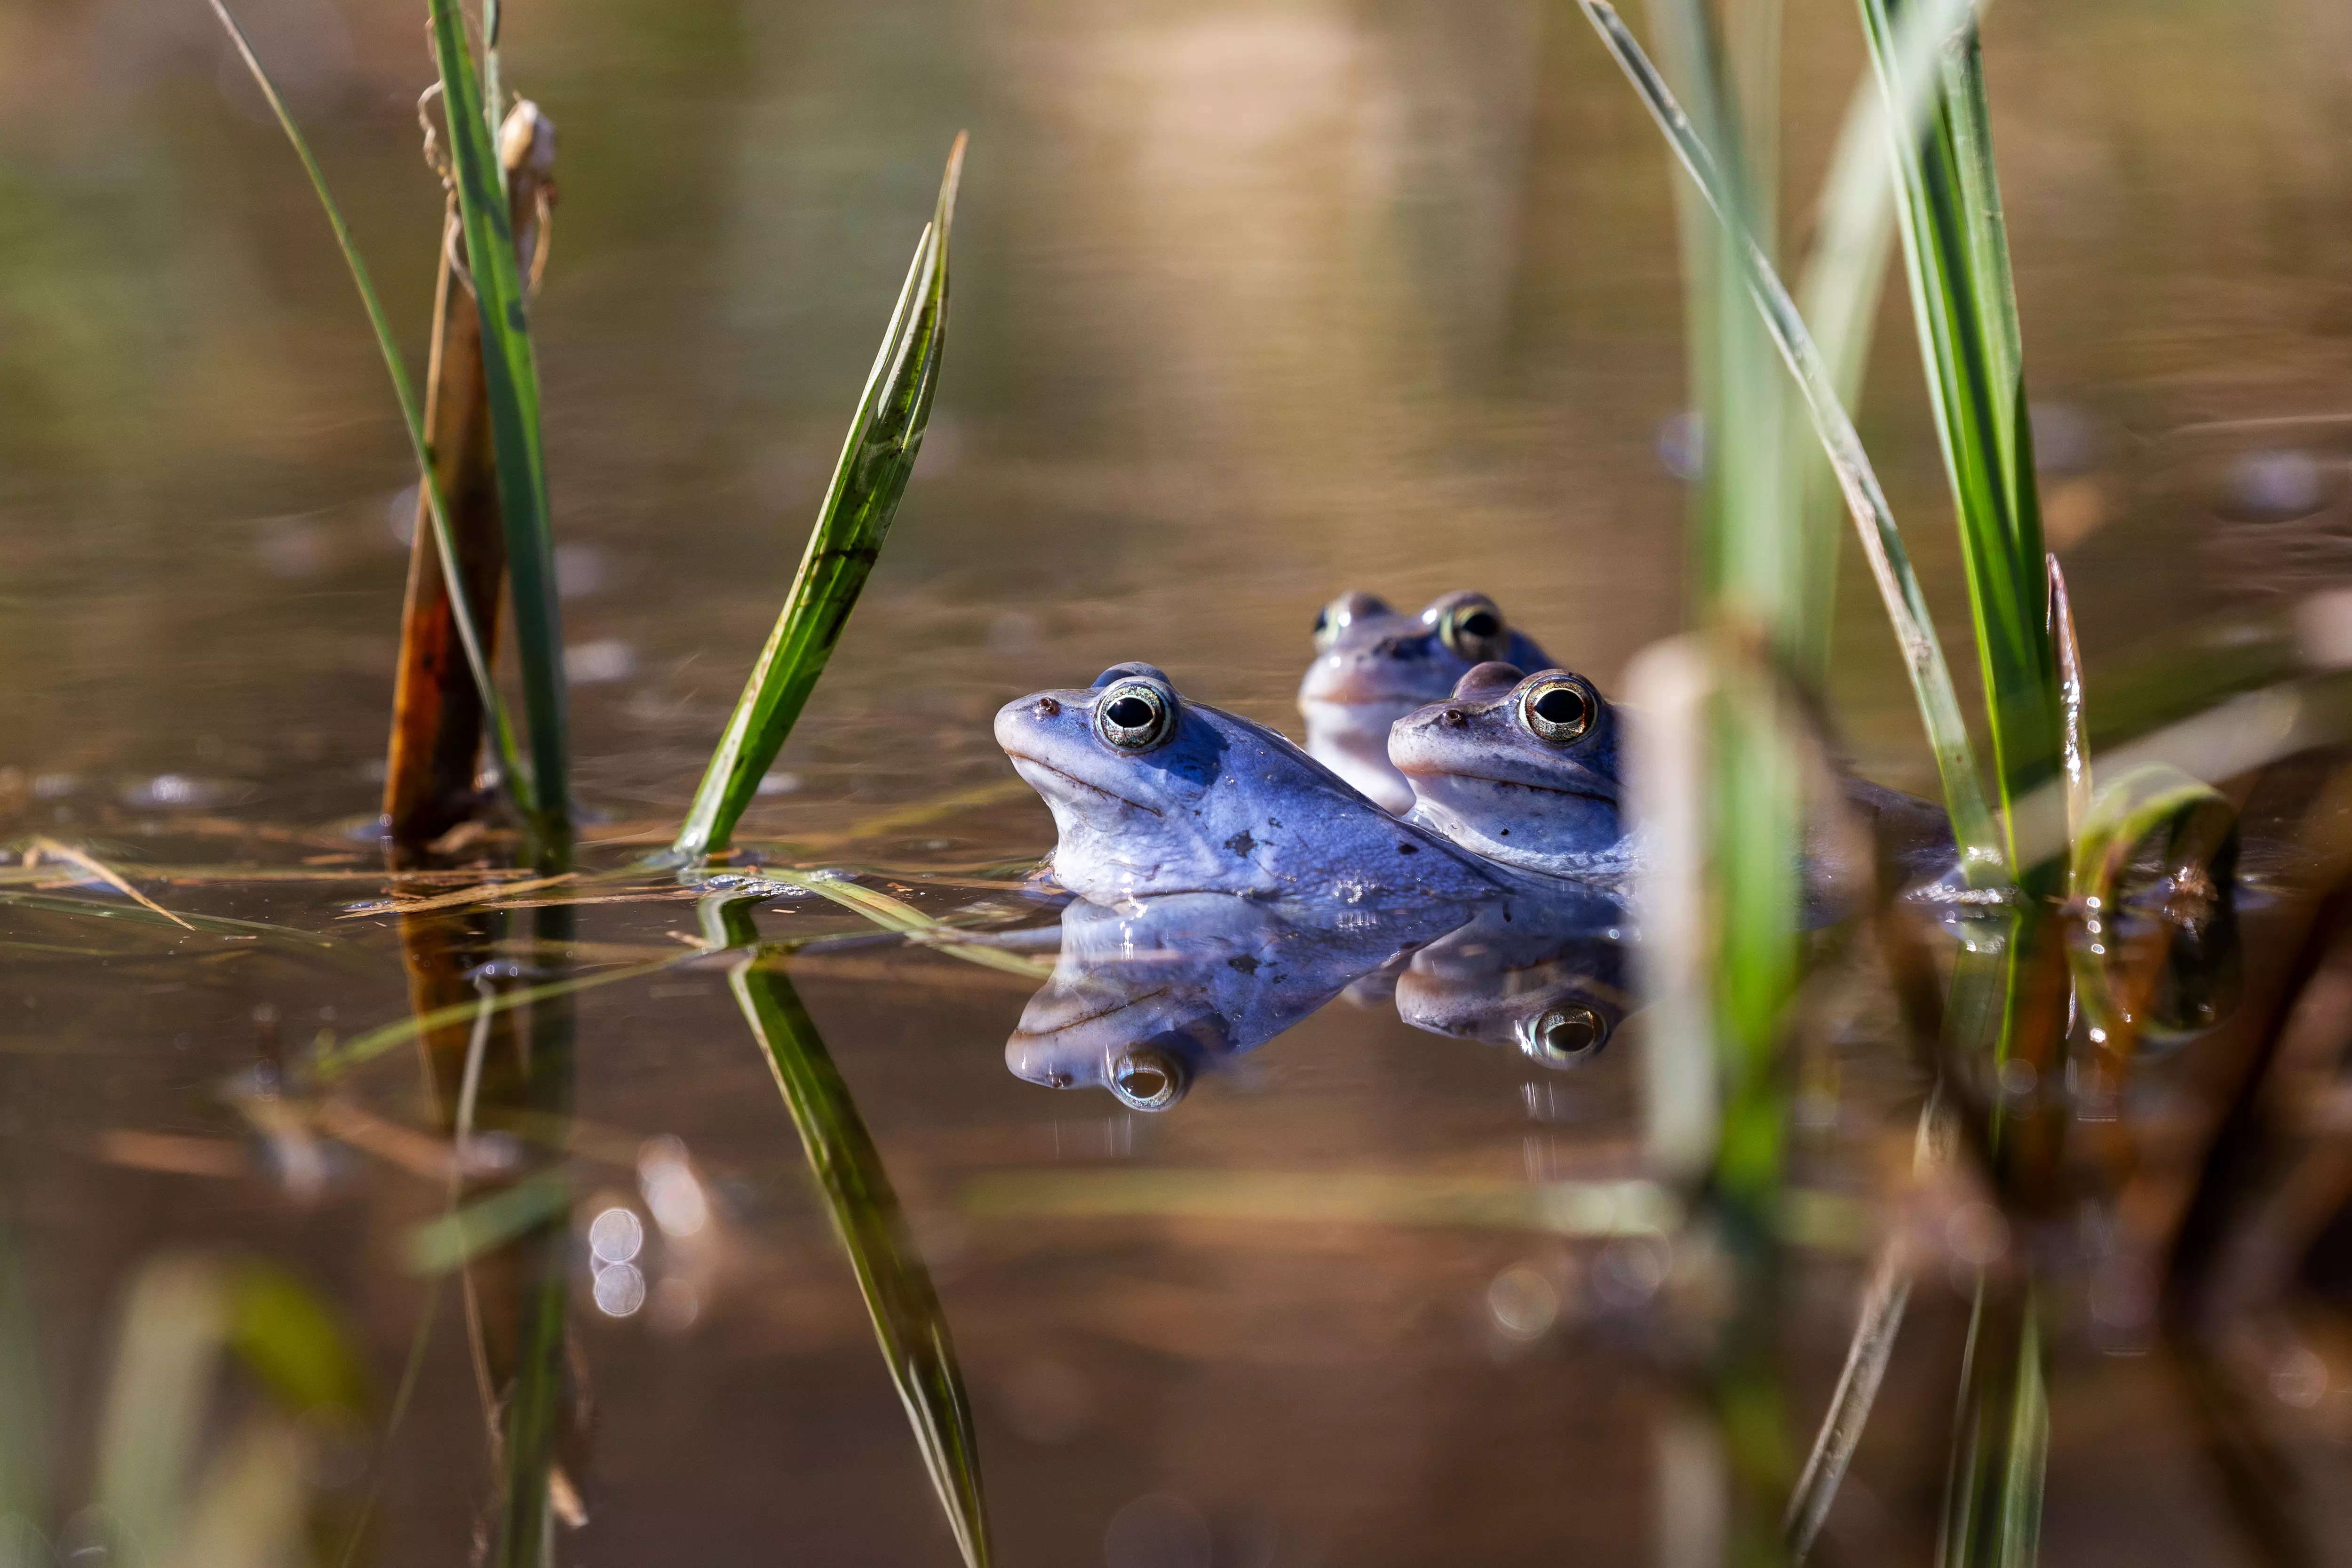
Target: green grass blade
{"points": [[876, 461], [2001, 1438], [1956, 253], [895, 915], [1839, 290], [908, 1321], [1931, 680], [468, 625], [511, 380]]}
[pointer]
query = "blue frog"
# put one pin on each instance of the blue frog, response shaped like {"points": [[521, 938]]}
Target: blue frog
{"points": [[1374, 665]]}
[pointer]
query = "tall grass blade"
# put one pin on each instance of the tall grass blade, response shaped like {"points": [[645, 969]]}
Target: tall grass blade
{"points": [[875, 462], [2001, 1438], [469, 623], [908, 1321], [1981, 845], [1957, 250], [1839, 290], [511, 378]]}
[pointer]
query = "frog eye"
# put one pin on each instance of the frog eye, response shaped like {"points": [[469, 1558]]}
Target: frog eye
{"points": [[1472, 628], [1136, 715], [1144, 1078], [1560, 1036], [1556, 710], [1342, 612]]}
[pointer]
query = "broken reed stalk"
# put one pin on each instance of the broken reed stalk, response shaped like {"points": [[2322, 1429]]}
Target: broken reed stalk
{"points": [[437, 710], [510, 382]]}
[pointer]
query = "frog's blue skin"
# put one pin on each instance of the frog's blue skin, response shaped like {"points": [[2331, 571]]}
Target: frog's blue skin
{"points": [[1373, 666], [1484, 777], [1544, 973], [1213, 803], [1145, 997]]}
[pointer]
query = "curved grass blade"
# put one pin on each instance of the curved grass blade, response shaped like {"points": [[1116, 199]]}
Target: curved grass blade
{"points": [[511, 378], [876, 461], [1982, 857], [2201, 827], [469, 624], [908, 1321]]}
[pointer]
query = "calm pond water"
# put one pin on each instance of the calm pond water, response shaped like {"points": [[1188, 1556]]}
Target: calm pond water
{"points": [[1253, 303]]}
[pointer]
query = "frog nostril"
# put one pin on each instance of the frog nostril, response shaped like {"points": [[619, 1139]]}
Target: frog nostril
{"points": [[1046, 708], [1452, 718]]}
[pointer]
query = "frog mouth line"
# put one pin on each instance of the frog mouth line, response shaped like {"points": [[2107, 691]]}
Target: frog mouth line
{"points": [[1111, 1010], [1082, 783], [1507, 783]]}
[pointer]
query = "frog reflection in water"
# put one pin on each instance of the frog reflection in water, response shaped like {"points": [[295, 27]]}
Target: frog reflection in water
{"points": [[1525, 770], [1145, 997], [1373, 666], [1153, 795], [1545, 974]]}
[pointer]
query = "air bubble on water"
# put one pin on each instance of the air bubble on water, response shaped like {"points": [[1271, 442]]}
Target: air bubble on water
{"points": [[582, 570], [604, 662], [670, 1187], [1523, 1303], [2277, 486], [400, 515], [2299, 1378], [620, 1289], [1682, 444], [615, 1234]]}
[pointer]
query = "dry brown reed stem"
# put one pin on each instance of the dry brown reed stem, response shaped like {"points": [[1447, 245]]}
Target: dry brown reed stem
{"points": [[437, 716]]}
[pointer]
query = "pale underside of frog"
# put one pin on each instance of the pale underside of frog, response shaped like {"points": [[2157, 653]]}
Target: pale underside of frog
{"points": [[1374, 665], [1526, 771], [1152, 794]]}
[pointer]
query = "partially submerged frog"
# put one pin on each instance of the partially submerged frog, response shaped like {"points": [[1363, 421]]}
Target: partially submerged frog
{"points": [[1146, 997], [1373, 666], [1522, 769], [1153, 795], [1526, 770]]}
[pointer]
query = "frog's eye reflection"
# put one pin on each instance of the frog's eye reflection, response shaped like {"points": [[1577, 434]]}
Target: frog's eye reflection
{"points": [[1561, 1035], [1557, 712], [1329, 622], [1148, 1080], [1473, 629], [1135, 716]]}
